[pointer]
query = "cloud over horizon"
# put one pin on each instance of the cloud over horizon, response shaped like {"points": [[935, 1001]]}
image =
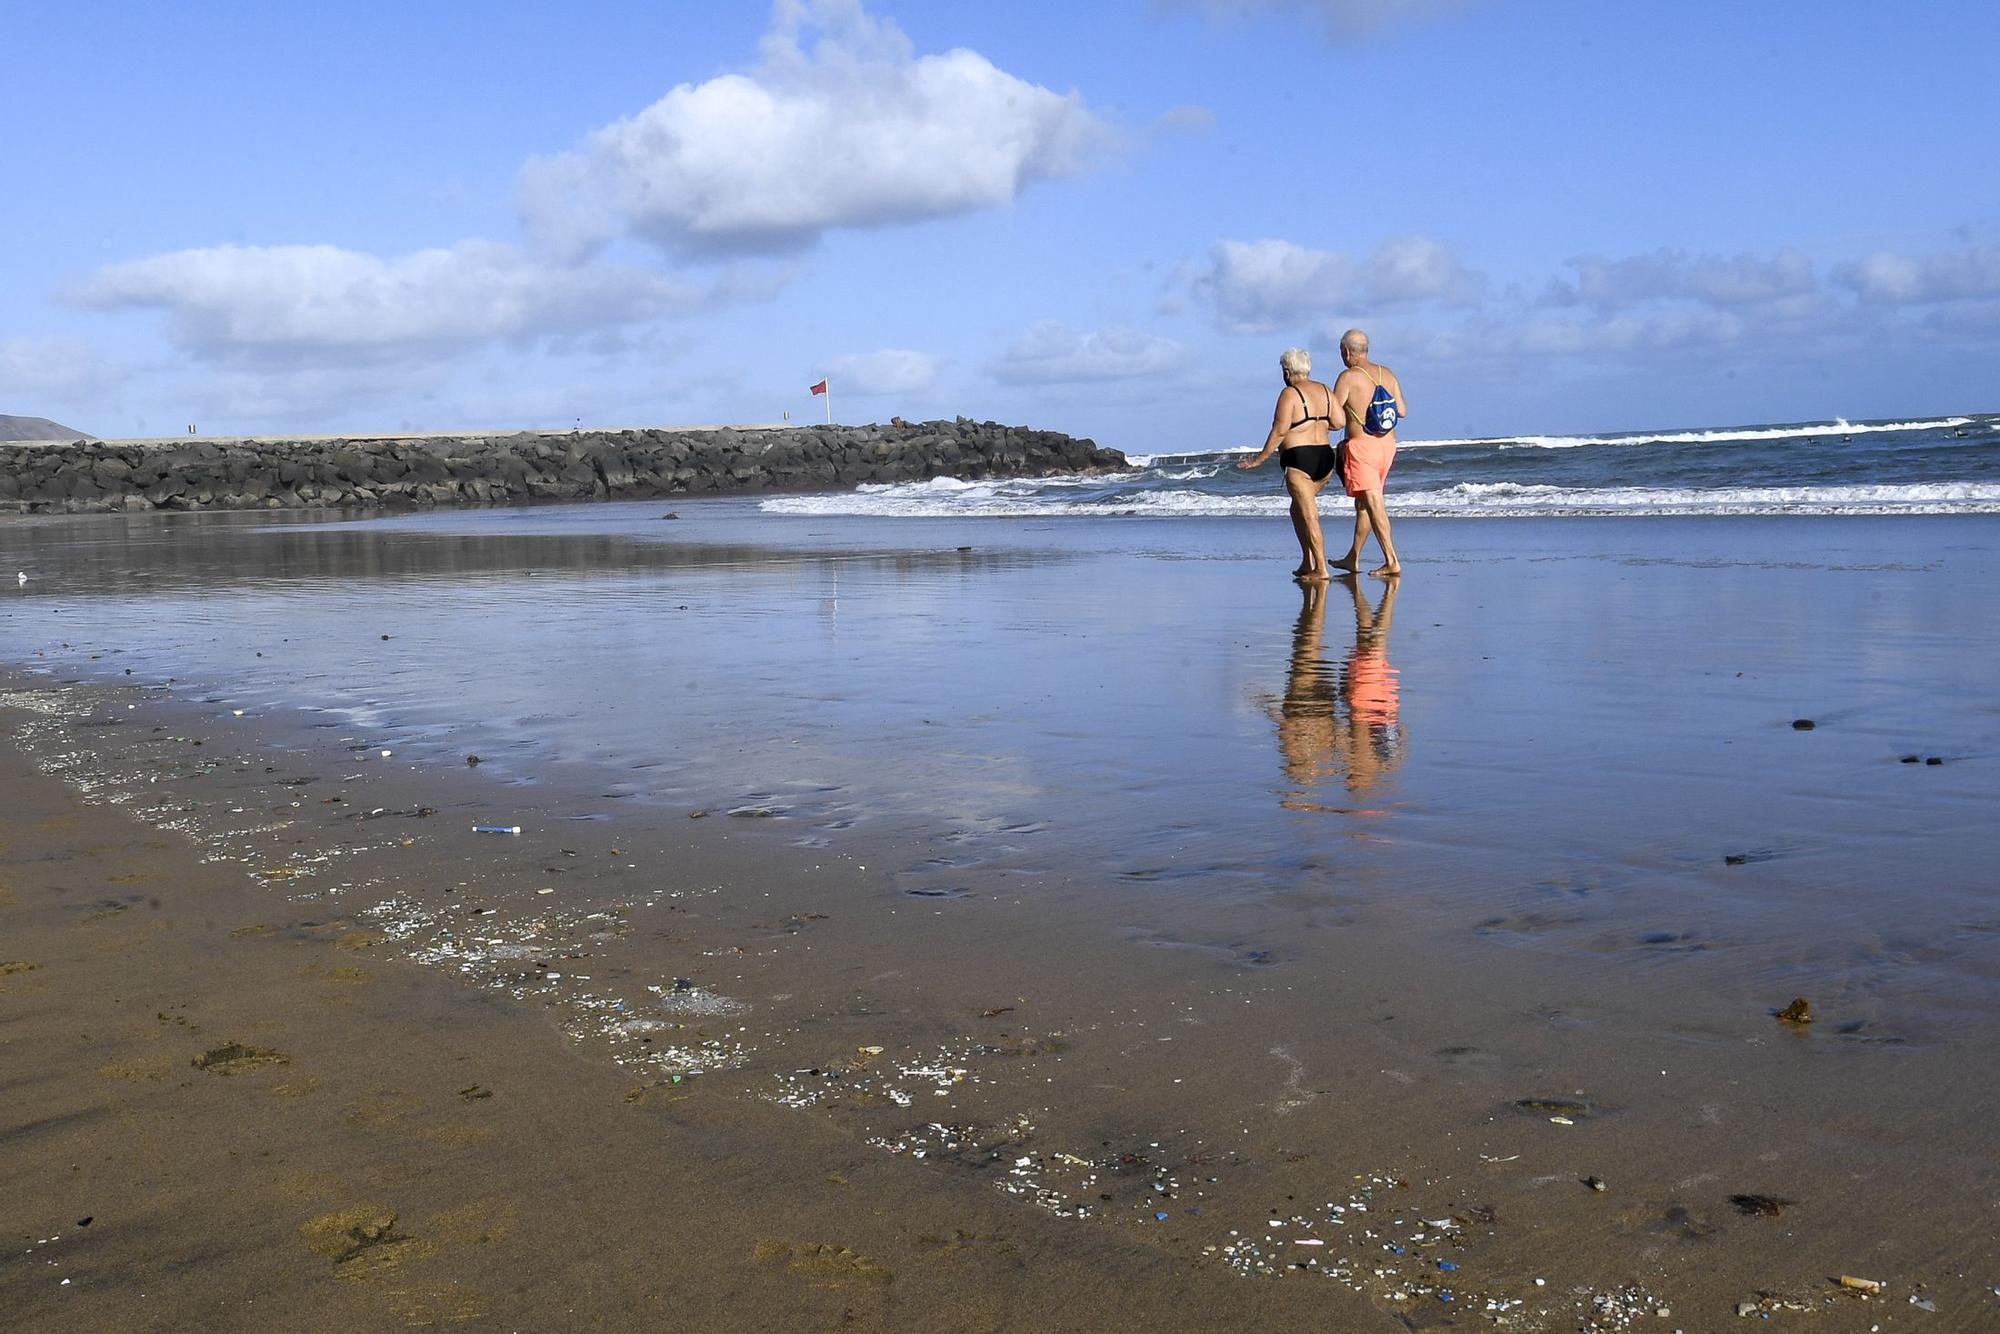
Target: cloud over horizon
{"points": [[840, 124], [1670, 275], [59, 369], [228, 298], [1051, 353], [1270, 285], [1961, 273], [887, 371]]}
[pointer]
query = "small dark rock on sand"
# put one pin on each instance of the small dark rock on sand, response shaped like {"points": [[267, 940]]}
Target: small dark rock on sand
{"points": [[1803, 724], [1798, 1012], [472, 760], [1760, 1206]]}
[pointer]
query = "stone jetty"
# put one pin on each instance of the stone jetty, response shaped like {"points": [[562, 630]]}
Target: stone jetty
{"points": [[93, 476]]}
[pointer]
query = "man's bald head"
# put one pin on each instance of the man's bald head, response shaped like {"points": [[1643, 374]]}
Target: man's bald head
{"points": [[1354, 343]]}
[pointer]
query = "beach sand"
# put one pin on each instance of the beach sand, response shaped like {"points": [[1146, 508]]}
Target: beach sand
{"points": [[1393, 937]]}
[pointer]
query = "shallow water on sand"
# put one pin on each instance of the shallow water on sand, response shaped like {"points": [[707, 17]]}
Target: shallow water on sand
{"points": [[1097, 862], [1571, 737]]}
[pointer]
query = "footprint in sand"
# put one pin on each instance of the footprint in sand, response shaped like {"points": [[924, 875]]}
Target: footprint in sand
{"points": [[394, 1112], [233, 1058], [827, 1266], [351, 976], [136, 1073], [363, 1242]]}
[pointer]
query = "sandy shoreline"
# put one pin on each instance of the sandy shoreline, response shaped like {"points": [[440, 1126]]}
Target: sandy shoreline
{"points": [[1370, 1057], [226, 1110]]}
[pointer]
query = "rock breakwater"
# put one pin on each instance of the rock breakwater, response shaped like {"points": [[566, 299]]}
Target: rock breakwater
{"points": [[91, 476]]}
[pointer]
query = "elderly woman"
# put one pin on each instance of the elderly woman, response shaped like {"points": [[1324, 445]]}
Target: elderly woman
{"points": [[1299, 433]]}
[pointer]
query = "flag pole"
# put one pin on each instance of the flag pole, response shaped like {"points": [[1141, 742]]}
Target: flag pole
{"points": [[829, 401]]}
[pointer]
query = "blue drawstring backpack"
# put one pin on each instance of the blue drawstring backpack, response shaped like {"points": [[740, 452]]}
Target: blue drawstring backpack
{"points": [[1382, 414]]}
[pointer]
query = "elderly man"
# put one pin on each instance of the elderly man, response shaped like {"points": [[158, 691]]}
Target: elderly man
{"points": [[1370, 401]]}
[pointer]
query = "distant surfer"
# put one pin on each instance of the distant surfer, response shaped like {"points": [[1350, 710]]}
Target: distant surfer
{"points": [[1371, 405], [1300, 429]]}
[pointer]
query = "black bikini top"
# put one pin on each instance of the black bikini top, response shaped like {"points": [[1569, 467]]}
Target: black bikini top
{"points": [[1311, 416]]}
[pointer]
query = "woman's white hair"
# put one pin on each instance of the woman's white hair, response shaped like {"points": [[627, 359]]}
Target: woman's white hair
{"points": [[1296, 361]]}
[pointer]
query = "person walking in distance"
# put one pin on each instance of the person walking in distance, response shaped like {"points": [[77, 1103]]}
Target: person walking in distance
{"points": [[1369, 398]]}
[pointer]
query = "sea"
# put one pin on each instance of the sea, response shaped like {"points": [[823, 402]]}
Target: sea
{"points": [[1938, 465]]}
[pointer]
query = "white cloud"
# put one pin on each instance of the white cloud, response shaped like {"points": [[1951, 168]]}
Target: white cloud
{"points": [[889, 371], [1674, 275], [856, 131], [317, 395], [1263, 286], [54, 368], [224, 299], [1050, 353], [1344, 20], [1969, 272]]}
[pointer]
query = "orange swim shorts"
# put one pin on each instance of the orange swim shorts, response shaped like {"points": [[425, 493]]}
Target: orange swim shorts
{"points": [[1364, 463]]}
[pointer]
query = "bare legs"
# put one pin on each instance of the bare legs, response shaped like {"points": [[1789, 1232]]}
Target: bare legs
{"points": [[1371, 517], [1305, 523], [1377, 514], [1351, 562]]}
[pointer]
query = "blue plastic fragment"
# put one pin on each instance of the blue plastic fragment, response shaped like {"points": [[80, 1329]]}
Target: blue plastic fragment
{"points": [[1444, 1296], [1162, 1215], [1446, 1265]]}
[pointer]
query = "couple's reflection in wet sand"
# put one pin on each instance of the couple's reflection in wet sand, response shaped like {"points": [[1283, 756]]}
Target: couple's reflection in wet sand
{"points": [[1339, 719]]}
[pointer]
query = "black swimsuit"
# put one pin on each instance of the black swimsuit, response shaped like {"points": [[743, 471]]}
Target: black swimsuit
{"points": [[1315, 461]]}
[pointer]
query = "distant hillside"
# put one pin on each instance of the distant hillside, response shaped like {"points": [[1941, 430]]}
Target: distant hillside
{"points": [[38, 428]]}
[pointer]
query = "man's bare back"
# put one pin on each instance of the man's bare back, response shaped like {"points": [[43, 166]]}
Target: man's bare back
{"points": [[1354, 387], [1365, 459]]}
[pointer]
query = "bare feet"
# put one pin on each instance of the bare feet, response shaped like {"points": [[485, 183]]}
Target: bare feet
{"points": [[1319, 577], [1387, 572], [1350, 564]]}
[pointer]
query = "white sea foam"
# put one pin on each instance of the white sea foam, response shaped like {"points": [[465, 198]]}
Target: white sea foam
{"points": [[1725, 435], [931, 500], [1839, 426]]}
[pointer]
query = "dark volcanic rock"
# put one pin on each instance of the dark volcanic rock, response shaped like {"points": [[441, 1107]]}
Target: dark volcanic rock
{"points": [[90, 476]]}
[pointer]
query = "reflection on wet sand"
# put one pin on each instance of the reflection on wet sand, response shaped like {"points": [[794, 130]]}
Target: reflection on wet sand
{"points": [[170, 553], [1340, 720]]}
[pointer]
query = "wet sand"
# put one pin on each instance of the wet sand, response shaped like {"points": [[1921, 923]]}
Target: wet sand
{"points": [[1125, 1074]]}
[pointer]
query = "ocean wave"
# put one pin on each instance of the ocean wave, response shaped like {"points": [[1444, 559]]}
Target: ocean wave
{"points": [[1725, 435], [928, 500], [1840, 426]]}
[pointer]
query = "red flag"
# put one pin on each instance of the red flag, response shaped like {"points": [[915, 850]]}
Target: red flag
{"points": [[819, 388]]}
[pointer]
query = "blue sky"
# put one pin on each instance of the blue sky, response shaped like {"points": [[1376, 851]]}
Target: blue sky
{"points": [[1107, 219]]}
